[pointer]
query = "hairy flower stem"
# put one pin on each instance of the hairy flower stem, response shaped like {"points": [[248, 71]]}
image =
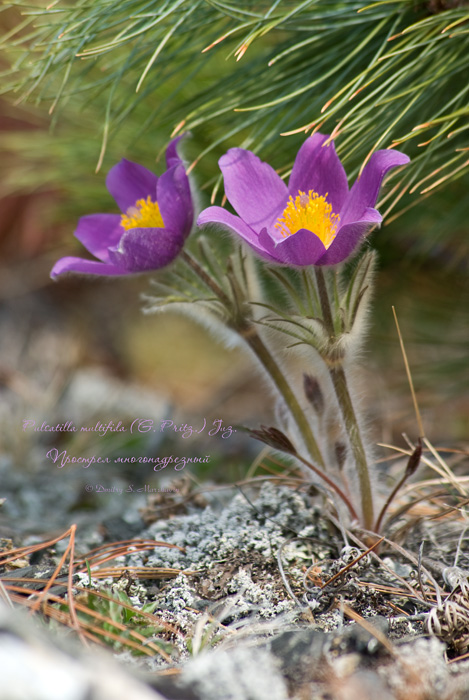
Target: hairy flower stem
{"points": [[250, 335], [206, 279], [257, 345], [340, 384], [334, 487]]}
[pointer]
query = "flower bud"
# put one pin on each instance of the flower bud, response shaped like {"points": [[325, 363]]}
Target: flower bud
{"points": [[313, 393]]}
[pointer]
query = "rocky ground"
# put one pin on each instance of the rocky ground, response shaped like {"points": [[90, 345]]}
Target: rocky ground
{"points": [[271, 604], [263, 597]]}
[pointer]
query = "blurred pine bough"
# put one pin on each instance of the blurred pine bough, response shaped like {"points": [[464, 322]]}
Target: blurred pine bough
{"points": [[116, 77]]}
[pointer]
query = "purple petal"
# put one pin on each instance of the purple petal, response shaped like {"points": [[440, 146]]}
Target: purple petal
{"points": [[253, 188], [365, 190], [85, 267], [302, 248], [172, 157], [317, 167], [128, 182], [348, 238], [175, 201], [98, 232], [218, 215], [143, 249]]}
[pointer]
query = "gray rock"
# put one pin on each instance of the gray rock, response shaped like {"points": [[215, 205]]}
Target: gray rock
{"points": [[300, 653], [243, 673], [355, 638], [363, 685], [34, 667]]}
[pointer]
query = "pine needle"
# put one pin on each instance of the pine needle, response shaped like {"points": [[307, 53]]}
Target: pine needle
{"points": [[409, 378]]}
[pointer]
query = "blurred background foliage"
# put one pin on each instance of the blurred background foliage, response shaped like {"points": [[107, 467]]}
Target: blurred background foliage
{"points": [[86, 83]]}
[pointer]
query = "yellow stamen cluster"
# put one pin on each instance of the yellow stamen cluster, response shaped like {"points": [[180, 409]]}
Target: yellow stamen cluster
{"points": [[312, 212], [145, 214]]}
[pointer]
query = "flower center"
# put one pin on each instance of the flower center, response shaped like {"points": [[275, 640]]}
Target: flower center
{"points": [[145, 214], [312, 212]]}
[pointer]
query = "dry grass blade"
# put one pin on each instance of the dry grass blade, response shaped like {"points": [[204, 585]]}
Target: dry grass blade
{"points": [[371, 629], [409, 378], [86, 629], [418, 485], [4, 594], [101, 555], [412, 465], [386, 568], [411, 678], [351, 564], [39, 600], [411, 506], [43, 595], [64, 616], [450, 510], [445, 467], [152, 618], [445, 473], [140, 572], [449, 621], [393, 591], [12, 554]]}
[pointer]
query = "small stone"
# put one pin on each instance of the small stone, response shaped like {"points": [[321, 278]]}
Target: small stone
{"points": [[362, 685], [356, 638], [300, 653]]}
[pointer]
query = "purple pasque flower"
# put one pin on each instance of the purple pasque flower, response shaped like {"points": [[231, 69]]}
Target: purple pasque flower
{"points": [[317, 219], [157, 216]]}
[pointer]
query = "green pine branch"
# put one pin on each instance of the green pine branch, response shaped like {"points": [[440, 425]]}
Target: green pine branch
{"points": [[387, 74]]}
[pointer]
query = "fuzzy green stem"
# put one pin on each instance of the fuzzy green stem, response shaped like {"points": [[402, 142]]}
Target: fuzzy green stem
{"points": [[324, 301], [257, 345], [333, 486], [339, 381], [211, 284], [250, 335]]}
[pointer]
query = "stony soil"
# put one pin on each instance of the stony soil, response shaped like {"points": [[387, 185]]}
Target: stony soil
{"points": [[251, 615]]}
